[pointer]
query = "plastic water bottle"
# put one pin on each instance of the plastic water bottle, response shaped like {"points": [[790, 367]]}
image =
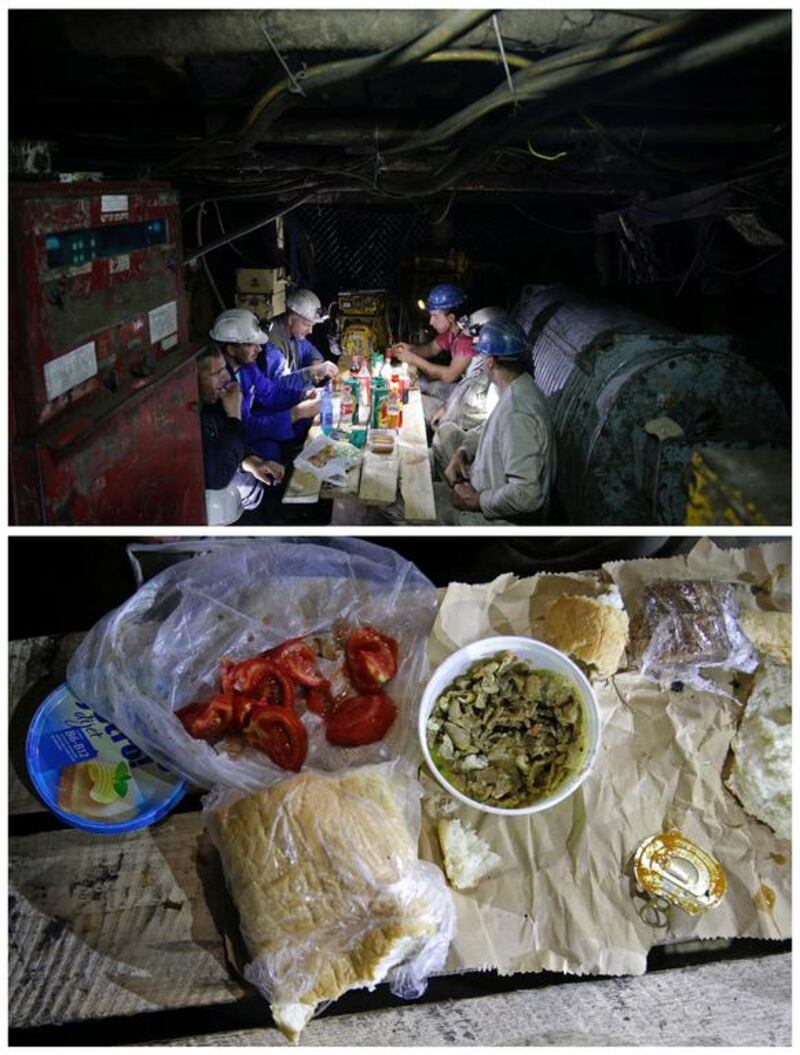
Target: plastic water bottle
{"points": [[326, 410]]}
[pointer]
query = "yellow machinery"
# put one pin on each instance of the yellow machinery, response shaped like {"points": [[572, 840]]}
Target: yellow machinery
{"points": [[732, 486], [361, 323]]}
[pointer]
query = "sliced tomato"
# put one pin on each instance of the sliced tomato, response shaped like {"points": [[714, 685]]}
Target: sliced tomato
{"points": [[361, 720], [228, 673], [299, 661], [319, 700], [207, 721], [260, 679], [371, 658], [242, 706], [279, 733]]}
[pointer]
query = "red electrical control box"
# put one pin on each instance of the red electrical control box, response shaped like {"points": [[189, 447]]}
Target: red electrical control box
{"points": [[103, 382]]}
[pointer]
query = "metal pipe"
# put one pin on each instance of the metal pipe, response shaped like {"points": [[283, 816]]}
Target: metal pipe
{"points": [[242, 231]]}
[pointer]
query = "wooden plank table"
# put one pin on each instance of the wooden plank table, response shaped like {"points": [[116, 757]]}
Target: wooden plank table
{"points": [[379, 477], [132, 939]]}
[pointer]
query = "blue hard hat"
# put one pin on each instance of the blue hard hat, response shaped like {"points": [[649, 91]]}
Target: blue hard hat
{"points": [[502, 338], [445, 297]]}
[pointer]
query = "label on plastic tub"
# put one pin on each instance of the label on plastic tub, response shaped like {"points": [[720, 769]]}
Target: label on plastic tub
{"points": [[90, 774]]}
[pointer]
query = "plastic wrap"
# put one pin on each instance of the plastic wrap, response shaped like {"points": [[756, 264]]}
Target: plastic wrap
{"points": [[161, 650], [684, 626], [330, 891], [328, 459]]}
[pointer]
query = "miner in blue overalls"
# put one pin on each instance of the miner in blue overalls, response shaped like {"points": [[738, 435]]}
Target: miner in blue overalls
{"points": [[271, 407], [289, 351]]}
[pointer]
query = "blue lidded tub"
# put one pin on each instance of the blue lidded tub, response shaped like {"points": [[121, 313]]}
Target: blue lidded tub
{"points": [[90, 774]]}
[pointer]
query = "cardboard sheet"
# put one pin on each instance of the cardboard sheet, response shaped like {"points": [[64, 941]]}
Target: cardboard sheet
{"points": [[563, 898]]}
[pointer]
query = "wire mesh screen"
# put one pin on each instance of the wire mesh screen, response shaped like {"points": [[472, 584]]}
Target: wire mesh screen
{"points": [[362, 248]]}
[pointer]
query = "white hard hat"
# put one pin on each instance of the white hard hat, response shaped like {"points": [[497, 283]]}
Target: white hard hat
{"points": [[306, 304], [223, 506], [482, 316], [237, 326]]}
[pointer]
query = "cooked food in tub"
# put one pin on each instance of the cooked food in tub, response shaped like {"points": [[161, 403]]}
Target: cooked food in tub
{"points": [[506, 733]]}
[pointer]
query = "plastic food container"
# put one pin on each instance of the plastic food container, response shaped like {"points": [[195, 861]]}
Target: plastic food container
{"points": [[381, 441], [90, 774], [542, 656]]}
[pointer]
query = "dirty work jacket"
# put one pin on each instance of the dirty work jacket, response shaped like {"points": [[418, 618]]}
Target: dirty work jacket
{"points": [[223, 451], [266, 408], [513, 454], [297, 352]]}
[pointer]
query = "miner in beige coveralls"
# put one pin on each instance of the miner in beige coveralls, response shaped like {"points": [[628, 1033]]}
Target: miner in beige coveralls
{"points": [[502, 471]]}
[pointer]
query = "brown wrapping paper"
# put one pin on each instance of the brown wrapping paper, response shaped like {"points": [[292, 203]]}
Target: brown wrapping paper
{"points": [[562, 900]]}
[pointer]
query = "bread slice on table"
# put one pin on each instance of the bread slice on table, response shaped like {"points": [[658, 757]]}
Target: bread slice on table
{"points": [[467, 858], [322, 869], [761, 776], [590, 629]]}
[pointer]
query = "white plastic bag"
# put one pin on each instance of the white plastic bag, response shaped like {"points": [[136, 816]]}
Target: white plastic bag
{"points": [[329, 887], [161, 650], [327, 459]]}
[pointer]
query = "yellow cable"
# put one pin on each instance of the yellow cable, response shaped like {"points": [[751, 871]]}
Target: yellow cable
{"points": [[462, 55], [546, 157]]}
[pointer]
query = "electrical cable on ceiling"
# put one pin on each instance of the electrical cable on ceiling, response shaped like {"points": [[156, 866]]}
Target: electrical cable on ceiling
{"points": [[206, 268], [546, 157], [753, 267], [499, 36], [294, 83], [435, 223]]}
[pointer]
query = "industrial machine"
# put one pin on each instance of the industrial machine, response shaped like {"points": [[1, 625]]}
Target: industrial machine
{"points": [[104, 424], [637, 407], [361, 324]]}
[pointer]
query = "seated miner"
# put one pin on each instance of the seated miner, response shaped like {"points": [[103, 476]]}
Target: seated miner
{"points": [[471, 401], [442, 361], [288, 348], [504, 469], [236, 480], [270, 407]]}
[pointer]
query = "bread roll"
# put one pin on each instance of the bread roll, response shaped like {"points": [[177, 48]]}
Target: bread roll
{"points": [[324, 873], [588, 629]]}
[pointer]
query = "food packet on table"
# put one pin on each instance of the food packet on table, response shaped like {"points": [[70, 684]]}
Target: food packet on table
{"points": [[331, 894], [685, 625], [171, 645], [328, 459]]}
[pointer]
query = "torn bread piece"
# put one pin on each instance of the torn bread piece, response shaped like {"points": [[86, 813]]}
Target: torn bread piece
{"points": [[331, 895], [761, 777], [593, 630], [769, 632], [467, 857]]}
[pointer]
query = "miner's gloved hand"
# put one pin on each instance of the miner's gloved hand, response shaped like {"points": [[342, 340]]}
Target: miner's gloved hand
{"points": [[231, 399], [466, 497], [267, 472], [457, 470]]}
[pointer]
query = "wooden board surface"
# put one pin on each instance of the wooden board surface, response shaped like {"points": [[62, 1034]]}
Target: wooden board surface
{"points": [[379, 473], [741, 1003], [103, 926], [416, 484], [413, 427]]}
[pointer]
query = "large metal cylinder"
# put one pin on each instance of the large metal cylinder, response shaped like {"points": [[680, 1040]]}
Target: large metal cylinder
{"points": [[611, 377]]}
